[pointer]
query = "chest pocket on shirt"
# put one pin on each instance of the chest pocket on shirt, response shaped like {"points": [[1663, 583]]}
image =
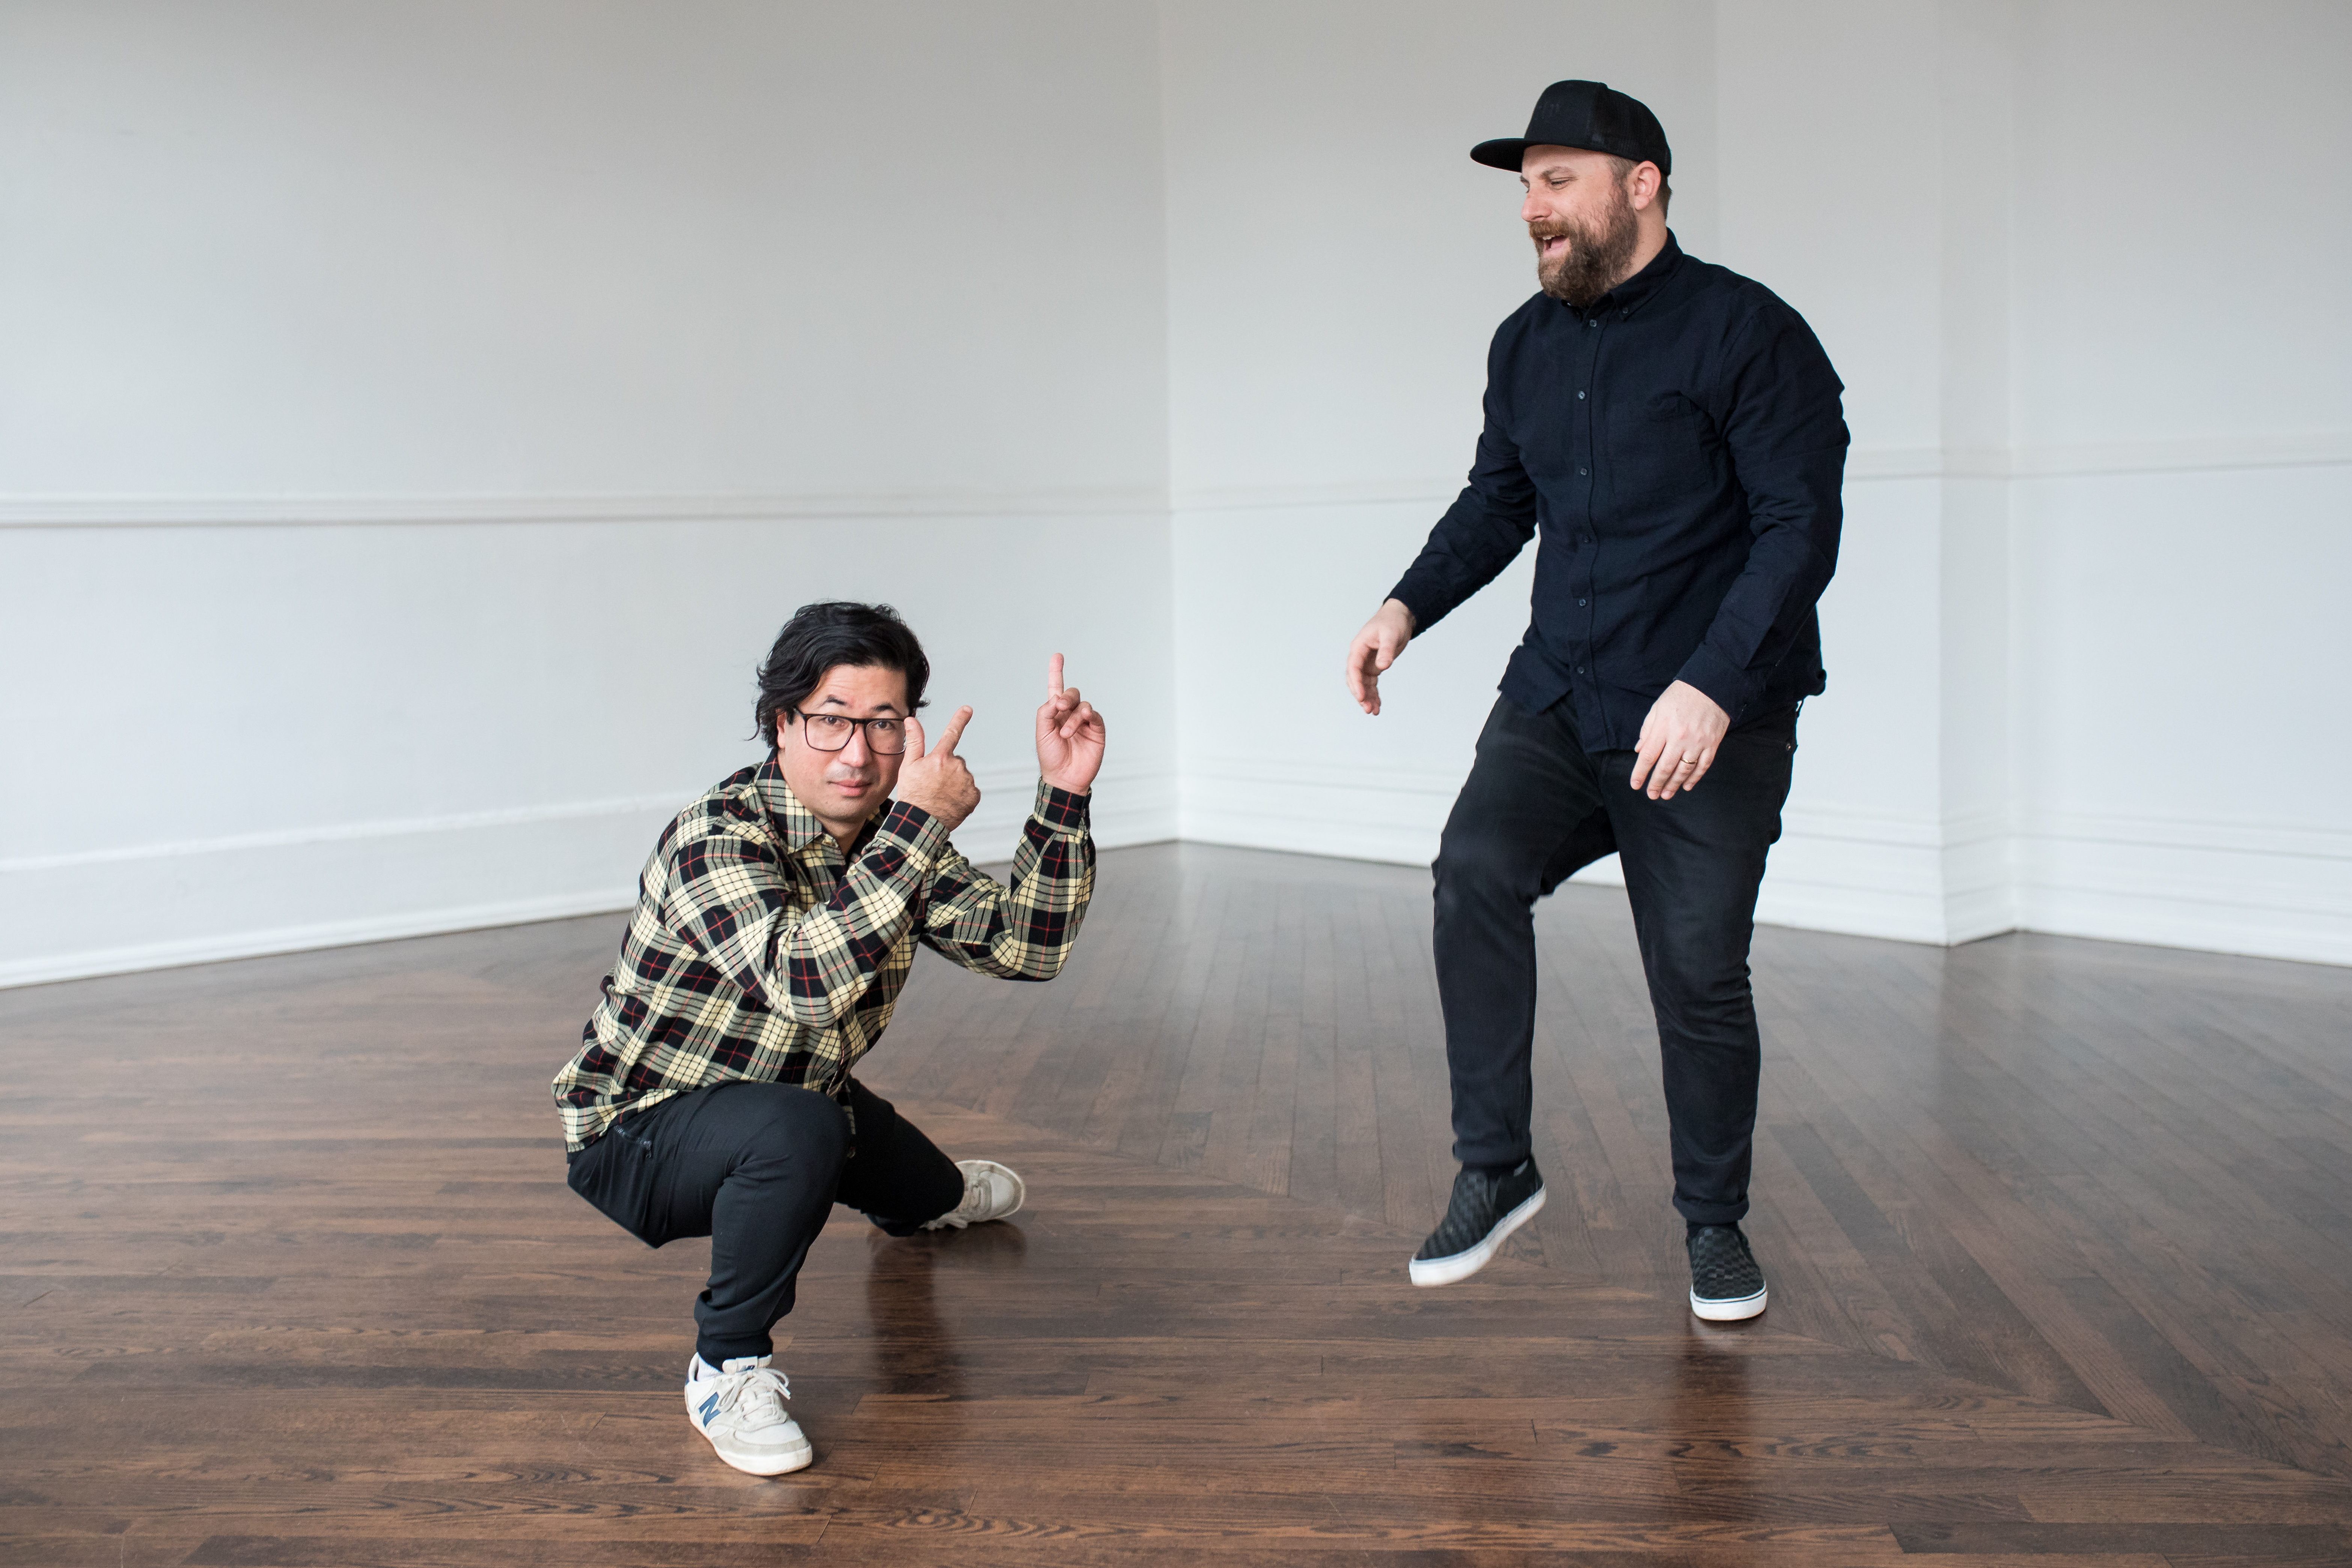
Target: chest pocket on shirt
{"points": [[1661, 453]]}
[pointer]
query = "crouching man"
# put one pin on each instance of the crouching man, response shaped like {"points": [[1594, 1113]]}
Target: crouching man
{"points": [[775, 925]]}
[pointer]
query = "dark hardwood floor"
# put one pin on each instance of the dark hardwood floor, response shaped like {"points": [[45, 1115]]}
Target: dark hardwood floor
{"points": [[2059, 1242]]}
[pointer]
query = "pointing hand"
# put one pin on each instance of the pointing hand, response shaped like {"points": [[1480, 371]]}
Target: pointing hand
{"points": [[1069, 735], [938, 780]]}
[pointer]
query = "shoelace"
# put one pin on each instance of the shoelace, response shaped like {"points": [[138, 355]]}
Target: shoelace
{"points": [[976, 1201], [756, 1394]]}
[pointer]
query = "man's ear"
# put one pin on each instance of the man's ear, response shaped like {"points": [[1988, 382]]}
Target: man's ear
{"points": [[1641, 182]]}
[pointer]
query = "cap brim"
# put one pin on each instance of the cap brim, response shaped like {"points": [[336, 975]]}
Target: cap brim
{"points": [[1511, 155]]}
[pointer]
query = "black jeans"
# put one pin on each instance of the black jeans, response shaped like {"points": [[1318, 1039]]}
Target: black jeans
{"points": [[1538, 807], [756, 1167]]}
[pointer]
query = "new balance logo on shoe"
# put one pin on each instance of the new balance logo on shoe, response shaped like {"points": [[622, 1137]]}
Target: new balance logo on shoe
{"points": [[740, 1408]]}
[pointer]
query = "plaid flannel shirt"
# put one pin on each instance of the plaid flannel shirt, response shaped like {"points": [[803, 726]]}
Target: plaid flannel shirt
{"points": [[757, 952]]}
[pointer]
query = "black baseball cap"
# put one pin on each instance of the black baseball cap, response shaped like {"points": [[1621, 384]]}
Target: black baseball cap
{"points": [[1590, 114]]}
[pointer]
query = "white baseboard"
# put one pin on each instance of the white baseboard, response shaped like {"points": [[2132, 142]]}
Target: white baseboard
{"points": [[261, 942], [2277, 890], [2268, 890], [1856, 873], [158, 906], [1134, 802], [1306, 809], [121, 910]]}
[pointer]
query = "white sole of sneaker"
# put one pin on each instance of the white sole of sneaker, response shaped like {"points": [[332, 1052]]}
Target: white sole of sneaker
{"points": [[1729, 1311], [777, 1462], [780, 1464], [1462, 1264]]}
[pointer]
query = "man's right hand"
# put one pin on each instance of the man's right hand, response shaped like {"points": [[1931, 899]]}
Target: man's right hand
{"points": [[1375, 648], [938, 779]]}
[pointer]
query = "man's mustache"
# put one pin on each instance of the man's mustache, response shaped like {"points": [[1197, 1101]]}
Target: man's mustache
{"points": [[1552, 228]]}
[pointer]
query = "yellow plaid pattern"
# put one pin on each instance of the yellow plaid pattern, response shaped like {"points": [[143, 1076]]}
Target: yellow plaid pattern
{"points": [[757, 951]]}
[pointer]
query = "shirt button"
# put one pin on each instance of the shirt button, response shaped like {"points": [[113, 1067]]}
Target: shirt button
{"points": [[1584, 470], [1580, 601], [1579, 670], [1580, 397]]}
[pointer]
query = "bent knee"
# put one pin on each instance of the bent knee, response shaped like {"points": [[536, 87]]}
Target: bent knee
{"points": [[1701, 977], [1473, 858], [777, 1121]]}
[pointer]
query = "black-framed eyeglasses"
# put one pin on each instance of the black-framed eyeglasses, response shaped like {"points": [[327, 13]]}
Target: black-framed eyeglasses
{"points": [[885, 736]]}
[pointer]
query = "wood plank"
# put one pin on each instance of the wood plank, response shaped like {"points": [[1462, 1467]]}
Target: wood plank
{"points": [[2058, 1262]]}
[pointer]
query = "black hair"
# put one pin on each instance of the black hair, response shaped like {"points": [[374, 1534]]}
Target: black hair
{"points": [[820, 636]]}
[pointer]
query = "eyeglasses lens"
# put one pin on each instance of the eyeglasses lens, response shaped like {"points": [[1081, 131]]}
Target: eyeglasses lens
{"points": [[831, 732]]}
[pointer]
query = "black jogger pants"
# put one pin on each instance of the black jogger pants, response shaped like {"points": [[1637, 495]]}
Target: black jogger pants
{"points": [[756, 1167]]}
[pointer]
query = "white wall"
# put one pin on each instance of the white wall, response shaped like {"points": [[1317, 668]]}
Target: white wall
{"points": [[1865, 838], [2099, 383], [2184, 453], [415, 422], [1336, 267]]}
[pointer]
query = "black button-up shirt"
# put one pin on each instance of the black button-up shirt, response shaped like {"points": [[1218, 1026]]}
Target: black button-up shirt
{"points": [[1679, 444]]}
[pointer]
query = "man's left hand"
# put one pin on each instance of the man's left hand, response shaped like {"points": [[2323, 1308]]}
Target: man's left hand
{"points": [[1678, 741], [1069, 735]]}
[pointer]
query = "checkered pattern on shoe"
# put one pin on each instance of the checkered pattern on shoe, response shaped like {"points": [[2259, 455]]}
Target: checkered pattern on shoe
{"points": [[1726, 1283]]}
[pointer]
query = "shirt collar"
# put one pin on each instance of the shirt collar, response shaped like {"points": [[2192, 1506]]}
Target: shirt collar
{"points": [[1629, 296], [796, 823]]}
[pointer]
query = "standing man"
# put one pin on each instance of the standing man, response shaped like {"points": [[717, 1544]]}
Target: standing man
{"points": [[1672, 431], [775, 928]]}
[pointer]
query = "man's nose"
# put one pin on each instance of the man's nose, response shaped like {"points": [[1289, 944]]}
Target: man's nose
{"points": [[1531, 210], [857, 753]]}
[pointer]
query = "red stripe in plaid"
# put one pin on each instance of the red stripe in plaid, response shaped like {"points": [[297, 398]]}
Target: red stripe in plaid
{"points": [[756, 951]]}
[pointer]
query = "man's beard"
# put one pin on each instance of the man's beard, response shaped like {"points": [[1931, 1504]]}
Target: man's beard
{"points": [[1598, 258]]}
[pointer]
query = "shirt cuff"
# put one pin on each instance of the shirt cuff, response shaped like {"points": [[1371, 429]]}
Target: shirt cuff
{"points": [[1417, 598], [1062, 810], [1731, 689], [915, 836]]}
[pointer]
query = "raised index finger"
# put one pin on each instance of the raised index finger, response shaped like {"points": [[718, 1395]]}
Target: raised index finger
{"points": [[953, 734], [1054, 675]]}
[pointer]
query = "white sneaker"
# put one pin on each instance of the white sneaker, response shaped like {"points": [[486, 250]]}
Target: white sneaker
{"points": [[740, 1408], [991, 1191]]}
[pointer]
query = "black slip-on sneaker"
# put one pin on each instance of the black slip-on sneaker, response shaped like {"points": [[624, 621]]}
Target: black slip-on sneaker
{"points": [[1725, 1284], [1485, 1210]]}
